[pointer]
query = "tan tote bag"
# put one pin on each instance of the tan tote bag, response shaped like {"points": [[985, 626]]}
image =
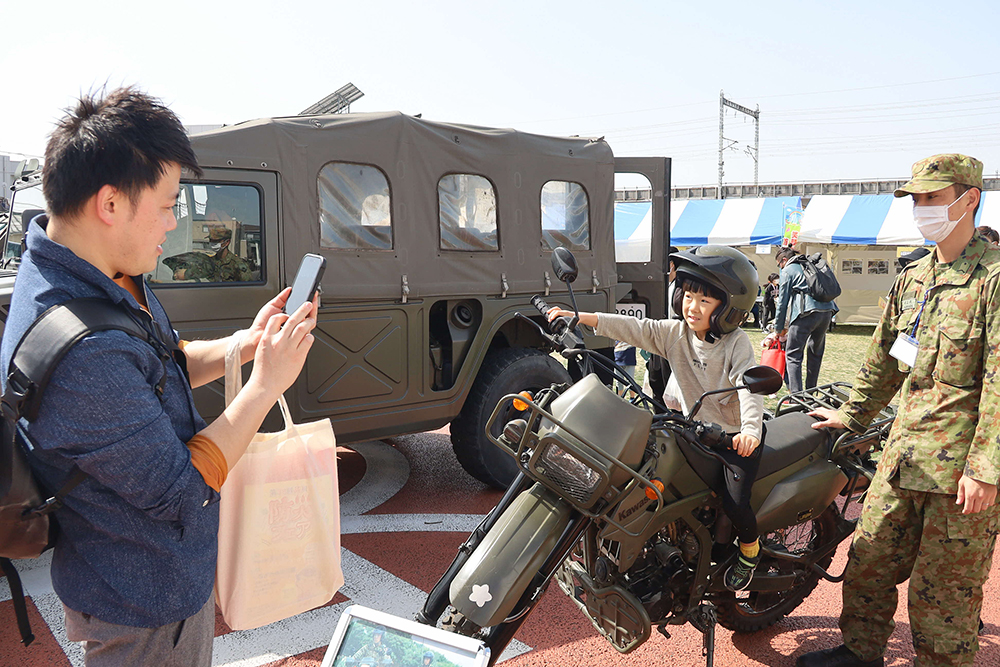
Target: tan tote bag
{"points": [[279, 520]]}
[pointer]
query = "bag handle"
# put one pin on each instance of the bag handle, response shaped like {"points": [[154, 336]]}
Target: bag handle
{"points": [[234, 376]]}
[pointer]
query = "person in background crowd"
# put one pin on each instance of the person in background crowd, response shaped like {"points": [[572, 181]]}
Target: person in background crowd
{"points": [[930, 515], [770, 299], [657, 368], [989, 234], [803, 320]]}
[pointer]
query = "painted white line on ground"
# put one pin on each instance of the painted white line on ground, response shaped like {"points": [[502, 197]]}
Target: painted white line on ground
{"points": [[410, 523], [386, 471], [279, 640], [51, 609]]}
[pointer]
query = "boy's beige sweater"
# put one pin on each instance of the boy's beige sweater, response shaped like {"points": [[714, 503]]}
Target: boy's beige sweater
{"points": [[697, 367]]}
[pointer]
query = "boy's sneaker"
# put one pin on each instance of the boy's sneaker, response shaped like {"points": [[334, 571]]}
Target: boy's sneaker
{"points": [[740, 573]]}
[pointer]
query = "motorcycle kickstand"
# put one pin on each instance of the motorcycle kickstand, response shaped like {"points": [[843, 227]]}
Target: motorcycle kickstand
{"points": [[707, 620]]}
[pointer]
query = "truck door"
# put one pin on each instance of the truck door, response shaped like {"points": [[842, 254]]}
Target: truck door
{"points": [[642, 255]]}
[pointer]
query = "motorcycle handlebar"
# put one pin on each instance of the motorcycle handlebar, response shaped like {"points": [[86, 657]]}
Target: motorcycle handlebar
{"points": [[556, 326]]}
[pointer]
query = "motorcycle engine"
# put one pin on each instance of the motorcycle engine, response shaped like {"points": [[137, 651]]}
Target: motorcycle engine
{"points": [[661, 573]]}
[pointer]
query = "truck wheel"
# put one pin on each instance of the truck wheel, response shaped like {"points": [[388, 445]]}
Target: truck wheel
{"points": [[504, 371]]}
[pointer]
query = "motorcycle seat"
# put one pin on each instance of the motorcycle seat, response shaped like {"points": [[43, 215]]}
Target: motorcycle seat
{"points": [[789, 438]]}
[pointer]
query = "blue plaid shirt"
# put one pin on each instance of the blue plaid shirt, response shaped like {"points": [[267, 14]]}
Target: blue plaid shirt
{"points": [[138, 538]]}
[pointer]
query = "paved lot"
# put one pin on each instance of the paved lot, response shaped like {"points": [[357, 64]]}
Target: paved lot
{"points": [[406, 506]]}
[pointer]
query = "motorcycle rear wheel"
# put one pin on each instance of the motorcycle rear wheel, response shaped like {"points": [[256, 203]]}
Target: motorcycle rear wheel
{"points": [[752, 611]]}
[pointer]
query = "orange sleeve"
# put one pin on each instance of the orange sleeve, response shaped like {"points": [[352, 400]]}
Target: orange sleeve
{"points": [[208, 459]]}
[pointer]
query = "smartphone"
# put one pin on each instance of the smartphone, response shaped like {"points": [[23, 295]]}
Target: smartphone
{"points": [[306, 281]]}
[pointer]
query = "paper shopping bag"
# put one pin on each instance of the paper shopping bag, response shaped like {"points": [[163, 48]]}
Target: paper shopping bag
{"points": [[279, 522]]}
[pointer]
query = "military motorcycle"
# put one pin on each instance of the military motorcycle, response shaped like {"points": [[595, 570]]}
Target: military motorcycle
{"points": [[614, 502]]}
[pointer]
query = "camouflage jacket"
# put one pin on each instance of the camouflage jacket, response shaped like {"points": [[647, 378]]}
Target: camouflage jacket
{"points": [[376, 654], [231, 268], [947, 424]]}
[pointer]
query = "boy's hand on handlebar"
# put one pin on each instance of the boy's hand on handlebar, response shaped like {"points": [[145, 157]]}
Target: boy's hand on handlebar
{"points": [[830, 418], [745, 444], [589, 319], [557, 312]]}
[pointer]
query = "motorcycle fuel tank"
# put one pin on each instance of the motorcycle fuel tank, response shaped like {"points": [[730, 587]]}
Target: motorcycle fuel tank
{"points": [[497, 573]]}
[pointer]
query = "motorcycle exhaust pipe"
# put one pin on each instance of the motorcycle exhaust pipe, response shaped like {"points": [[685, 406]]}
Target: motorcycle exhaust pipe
{"points": [[438, 599]]}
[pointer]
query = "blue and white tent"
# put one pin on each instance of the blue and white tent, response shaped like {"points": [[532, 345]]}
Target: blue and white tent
{"points": [[694, 222], [875, 219]]}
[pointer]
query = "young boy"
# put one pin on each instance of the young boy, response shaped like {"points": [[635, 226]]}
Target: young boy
{"points": [[716, 287]]}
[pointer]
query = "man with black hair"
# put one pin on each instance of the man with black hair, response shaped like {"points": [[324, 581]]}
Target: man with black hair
{"points": [[134, 562]]}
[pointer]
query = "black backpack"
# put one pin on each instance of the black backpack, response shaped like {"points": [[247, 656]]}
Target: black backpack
{"points": [[823, 284], [26, 528]]}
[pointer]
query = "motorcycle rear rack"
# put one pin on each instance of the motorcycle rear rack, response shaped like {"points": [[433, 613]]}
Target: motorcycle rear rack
{"points": [[612, 496], [832, 396]]}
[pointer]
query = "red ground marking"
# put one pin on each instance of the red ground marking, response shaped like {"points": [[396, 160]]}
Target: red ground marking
{"points": [[351, 468], [45, 650]]}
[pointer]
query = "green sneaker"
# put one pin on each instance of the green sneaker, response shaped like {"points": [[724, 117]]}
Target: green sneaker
{"points": [[740, 574]]}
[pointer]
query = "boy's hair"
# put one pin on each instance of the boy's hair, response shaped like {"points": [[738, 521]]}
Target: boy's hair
{"points": [[687, 283], [124, 139], [772, 276]]}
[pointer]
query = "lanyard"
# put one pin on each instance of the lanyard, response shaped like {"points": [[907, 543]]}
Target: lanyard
{"points": [[913, 333]]}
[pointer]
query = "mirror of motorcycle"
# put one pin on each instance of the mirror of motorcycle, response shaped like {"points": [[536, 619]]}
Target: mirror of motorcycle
{"points": [[564, 265], [762, 380], [756, 380]]}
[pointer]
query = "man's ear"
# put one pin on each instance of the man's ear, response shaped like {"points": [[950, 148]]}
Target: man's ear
{"points": [[110, 204], [974, 198]]}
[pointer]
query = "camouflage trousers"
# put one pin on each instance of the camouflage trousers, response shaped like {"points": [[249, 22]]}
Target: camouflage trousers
{"points": [[946, 555]]}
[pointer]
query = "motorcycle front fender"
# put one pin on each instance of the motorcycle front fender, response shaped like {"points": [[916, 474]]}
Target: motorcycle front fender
{"points": [[498, 572]]}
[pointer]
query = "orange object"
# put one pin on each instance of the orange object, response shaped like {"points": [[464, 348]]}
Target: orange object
{"points": [[649, 491], [521, 406]]}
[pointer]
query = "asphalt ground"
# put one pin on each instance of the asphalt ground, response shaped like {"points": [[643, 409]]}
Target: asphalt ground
{"points": [[406, 505]]}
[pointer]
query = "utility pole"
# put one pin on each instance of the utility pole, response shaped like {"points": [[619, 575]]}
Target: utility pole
{"points": [[755, 114]]}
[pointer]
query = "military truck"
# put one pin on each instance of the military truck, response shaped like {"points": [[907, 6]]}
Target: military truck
{"points": [[435, 236]]}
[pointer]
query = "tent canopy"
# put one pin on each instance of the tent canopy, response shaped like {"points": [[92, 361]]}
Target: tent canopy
{"points": [[701, 221], [875, 219]]}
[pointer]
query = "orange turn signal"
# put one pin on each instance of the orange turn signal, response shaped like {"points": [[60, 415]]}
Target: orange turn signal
{"points": [[521, 406], [649, 491]]}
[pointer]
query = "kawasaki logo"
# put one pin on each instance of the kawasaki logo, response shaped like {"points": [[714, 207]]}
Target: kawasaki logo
{"points": [[629, 511]]}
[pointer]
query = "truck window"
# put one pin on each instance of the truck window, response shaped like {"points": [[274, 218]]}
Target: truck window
{"points": [[354, 207], [467, 208], [565, 216], [218, 236]]}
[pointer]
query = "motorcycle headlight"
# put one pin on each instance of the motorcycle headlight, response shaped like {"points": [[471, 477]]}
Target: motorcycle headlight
{"points": [[575, 477]]}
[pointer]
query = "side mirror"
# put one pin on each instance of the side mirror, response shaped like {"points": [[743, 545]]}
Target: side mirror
{"points": [[564, 265], [762, 380]]}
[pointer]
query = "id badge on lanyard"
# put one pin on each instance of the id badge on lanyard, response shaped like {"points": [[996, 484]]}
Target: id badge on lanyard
{"points": [[906, 347]]}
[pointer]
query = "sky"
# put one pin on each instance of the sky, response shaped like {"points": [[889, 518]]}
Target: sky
{"points": [[847, 91]]}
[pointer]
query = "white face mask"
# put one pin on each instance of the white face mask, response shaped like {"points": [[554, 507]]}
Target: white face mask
{"points": [[933, 221]]}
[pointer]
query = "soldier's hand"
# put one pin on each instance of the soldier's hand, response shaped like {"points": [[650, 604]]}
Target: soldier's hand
{"points": [[830, 418], [975, 496]]}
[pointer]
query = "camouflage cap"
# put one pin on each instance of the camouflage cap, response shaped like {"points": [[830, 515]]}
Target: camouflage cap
{"points": [[219, 233], [939, 171]]}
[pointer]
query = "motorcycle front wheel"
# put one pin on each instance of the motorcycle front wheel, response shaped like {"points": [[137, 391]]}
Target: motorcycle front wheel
{"points": [[755, 610]]}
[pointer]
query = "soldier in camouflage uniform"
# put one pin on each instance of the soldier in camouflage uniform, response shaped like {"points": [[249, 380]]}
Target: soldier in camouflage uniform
{"points": [[376, 652], [930, 514], [229, 267]]}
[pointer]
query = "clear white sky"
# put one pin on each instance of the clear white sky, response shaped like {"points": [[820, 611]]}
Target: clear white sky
{"points": [[847, 90]]}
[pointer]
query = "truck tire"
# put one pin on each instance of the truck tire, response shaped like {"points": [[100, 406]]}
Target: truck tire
{"points": [[504, 371]]}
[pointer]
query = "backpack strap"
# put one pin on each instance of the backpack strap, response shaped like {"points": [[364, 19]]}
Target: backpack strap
{"points": [[50, 337], [17, 597]]}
